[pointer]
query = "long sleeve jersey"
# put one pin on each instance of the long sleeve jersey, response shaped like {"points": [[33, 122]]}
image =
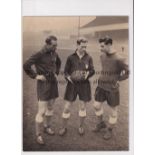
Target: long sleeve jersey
{"points": [[46, 63], [114, 69], [74, 63]]}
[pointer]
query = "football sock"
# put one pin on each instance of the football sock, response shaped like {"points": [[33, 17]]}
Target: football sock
{"points": [[99, 119], [47, 121], [39, 128], [64, 122], [82, 119]]}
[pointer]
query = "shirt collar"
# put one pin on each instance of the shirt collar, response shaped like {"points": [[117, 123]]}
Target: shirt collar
{"points": [[79, 55]]}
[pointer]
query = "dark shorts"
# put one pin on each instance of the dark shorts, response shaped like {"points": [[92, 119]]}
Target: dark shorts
{"points": [[47, 90], [112, 97], [82, 89]]}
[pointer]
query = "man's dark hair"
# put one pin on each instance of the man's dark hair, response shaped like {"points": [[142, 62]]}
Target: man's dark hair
{"points": [[81, 40], [107, 40], [49, 39]]}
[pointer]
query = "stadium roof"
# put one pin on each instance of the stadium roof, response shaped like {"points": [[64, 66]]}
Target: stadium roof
{"points": [[106, 20]]}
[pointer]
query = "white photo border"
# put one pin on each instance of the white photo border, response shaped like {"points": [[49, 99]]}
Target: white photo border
{"points": [[89, 8]]}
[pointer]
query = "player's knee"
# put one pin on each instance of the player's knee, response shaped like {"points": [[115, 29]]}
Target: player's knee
{"points": [[114, 111], [49, 112], [39, 117], [97, 105], [82, 110], [82, 107], [50, 107], [66, 111], [41, 112], [98, 108], [67, 107], [113, 115], [50, 104]]}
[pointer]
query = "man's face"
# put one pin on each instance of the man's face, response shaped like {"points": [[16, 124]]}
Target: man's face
{"points": [[53, 45], [82, 47], [105, 48]]}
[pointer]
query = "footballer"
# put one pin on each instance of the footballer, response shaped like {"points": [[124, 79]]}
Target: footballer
{"points": [[78, 69], [47, 64], [114, 70]]}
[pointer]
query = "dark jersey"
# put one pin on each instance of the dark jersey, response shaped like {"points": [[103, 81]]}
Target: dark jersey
{"points": [[46, 63], [113, 67], [74, 63]]}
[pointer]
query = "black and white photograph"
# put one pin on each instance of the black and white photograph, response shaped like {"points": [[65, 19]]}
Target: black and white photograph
{"points": [[76, 83], [77, 77]]}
